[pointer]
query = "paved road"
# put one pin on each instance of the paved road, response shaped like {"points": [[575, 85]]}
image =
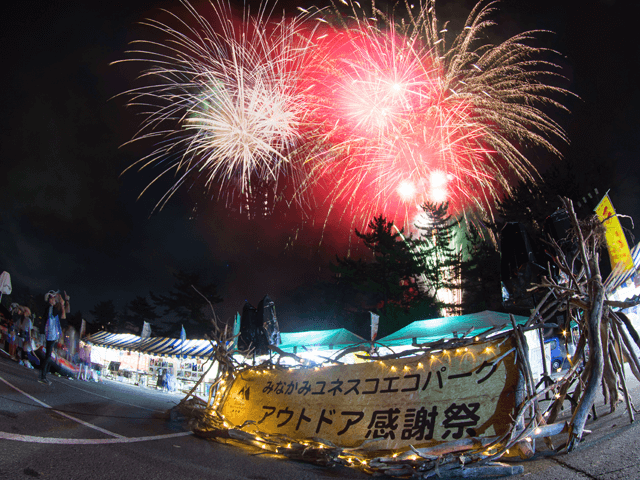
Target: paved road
{"points": [[610, 452], [80, 430]]}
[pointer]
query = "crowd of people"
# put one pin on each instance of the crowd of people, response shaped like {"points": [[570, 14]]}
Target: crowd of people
{"points": [[20, 338], [48, 344], [43, 348]]}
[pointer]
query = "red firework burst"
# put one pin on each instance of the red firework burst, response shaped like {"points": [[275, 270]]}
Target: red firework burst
{"points": [[403, 120]]}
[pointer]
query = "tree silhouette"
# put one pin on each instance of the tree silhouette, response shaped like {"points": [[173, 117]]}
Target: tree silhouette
{"points": [[106, 316], [529, 215], [480, 275], [187, 305], [388, 278], [441, 259], [138, 311]]}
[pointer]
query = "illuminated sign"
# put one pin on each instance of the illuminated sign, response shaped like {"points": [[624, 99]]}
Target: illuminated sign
{"points": [[418, 400]]}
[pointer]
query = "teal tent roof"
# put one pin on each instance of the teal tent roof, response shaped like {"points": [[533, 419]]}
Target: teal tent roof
{"points": [[424, 331], [318, 340]]}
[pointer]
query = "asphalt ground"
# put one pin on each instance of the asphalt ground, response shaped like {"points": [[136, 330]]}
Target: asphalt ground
{"points": [[84, 430], [610, 452]]}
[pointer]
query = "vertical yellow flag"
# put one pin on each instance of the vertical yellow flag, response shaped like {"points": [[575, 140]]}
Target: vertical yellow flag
{"points": [[617, 245]]}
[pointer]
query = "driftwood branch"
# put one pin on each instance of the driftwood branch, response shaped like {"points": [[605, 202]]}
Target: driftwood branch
{"points": [[573, 289]]}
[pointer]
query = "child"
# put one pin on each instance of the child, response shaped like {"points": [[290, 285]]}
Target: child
{"points": [[28, 349]]}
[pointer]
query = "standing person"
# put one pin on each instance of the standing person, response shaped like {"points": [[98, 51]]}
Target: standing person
{"points": [[160, 383], [84, 359], [13, 331], [52, 330], [24, 331], [12, 337], [26, 325]]}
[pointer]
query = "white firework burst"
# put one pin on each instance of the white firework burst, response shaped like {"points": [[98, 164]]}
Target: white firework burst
{"points": [[221, 100]]}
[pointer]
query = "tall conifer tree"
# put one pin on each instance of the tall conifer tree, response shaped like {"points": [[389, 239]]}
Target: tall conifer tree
{"points": [[440, 257]]}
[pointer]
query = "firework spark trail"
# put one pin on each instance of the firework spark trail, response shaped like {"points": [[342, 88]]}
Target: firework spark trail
{"points": [[410, 111], [222, 99], [372, 109]]}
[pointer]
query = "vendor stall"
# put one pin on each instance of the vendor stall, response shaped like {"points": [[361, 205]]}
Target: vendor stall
{"points": [[146, 362], [132, 359]]}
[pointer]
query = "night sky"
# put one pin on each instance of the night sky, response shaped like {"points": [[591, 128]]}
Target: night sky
{"points": [[69, 220]]}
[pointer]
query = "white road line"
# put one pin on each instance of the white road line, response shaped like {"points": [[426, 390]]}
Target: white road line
{"points": [[113, 399], [86, 424], [69, 384], [87, 441], [79, 441]]}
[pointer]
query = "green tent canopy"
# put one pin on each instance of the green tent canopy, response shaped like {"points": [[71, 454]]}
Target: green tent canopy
{"points": [[318, 340], [424, 331]]}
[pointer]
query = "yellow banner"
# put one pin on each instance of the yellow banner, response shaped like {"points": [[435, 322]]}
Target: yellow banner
{"points": [[420, 400], [617, 245]]}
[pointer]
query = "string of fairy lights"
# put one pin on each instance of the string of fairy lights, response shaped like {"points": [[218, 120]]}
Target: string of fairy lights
{"points": [[410, 459]]}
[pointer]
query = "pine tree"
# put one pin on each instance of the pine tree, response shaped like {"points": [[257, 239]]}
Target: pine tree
{"points": [[388, 280], [480, 275], [186, 304], [138, 311], [106, 316], [440, 257]]}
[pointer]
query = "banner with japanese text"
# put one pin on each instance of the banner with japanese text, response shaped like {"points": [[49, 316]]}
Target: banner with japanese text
{"points": [[418, 400], [617, 245]]}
